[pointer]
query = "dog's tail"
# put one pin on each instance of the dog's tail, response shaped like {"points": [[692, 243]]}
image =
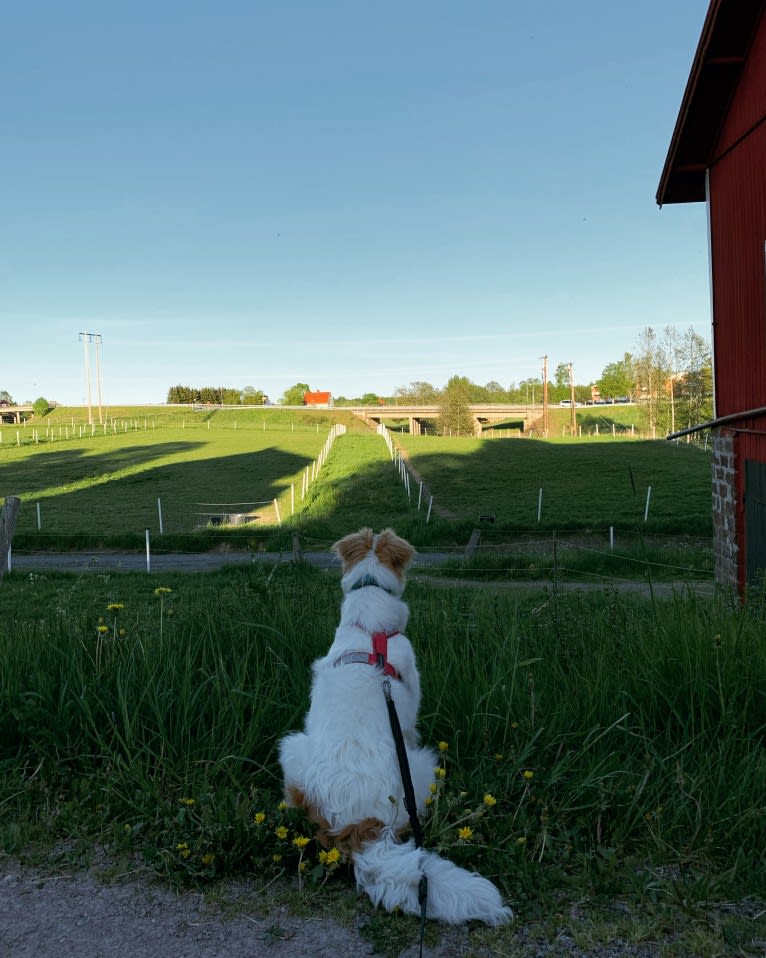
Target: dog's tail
{"points": [[390, 872]]}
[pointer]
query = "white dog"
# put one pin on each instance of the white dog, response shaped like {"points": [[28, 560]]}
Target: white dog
{"points": [[343, 768]]}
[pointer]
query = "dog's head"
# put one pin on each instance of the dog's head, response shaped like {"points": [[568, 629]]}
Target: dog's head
{"points": [[383, 558]]}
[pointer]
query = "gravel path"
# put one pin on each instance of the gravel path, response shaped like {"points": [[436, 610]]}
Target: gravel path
{"points": [[211, 561]]}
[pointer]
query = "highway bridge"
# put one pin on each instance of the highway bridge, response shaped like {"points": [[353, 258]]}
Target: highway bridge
{"points": [[481, 413], [15, 413]]}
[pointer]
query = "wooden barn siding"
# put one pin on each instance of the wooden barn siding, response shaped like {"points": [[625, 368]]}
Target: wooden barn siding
{"points": [[738, 249]]}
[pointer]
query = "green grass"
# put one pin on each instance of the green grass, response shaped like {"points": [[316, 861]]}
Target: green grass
{"points": [[102, 490], [586, 484], [622, 740]]}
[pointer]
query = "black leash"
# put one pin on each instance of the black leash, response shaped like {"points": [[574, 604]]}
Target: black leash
{"points": [[409, 801]]}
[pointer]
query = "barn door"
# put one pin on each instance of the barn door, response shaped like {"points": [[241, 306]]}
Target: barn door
{"points": [[755, 519]]}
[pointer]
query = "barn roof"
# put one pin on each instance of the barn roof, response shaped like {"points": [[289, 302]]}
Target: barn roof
{"points": [[727, 33]]}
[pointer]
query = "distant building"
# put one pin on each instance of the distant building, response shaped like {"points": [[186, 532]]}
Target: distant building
{"points": [[317, 399], [717, 155]]}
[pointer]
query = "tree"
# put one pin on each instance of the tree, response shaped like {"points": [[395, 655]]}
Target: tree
{"points": [[454, 414], [41, 407], [418, 394], [5, 396], [294, 395], [253, 397], [618, 379]]}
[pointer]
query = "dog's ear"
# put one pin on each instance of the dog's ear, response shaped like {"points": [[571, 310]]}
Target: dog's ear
{"points": [[394, 552], [353, 548]]}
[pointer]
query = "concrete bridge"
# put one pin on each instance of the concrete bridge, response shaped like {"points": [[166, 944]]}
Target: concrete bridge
{"points": [[481, 413], [14, 413]]}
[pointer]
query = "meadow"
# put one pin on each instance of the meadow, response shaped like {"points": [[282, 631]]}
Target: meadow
{"points": [[102, 485], [594, 747]]}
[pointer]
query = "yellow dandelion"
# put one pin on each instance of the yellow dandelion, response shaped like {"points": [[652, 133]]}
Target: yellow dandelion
{"points": [[281, 832], [521, 840], [260, 818], [115, 607], [188, 802], [443, 746], [276, 859], [323, 857], [333, 856], [433, 788], [122, 633], [498, 756], [440, 772], [429, 801], [102, 629], [489, 800], [162, 590], [282, 806], [528, 774], [208, 859], [300, 841], [181, 846], [464, 833]]}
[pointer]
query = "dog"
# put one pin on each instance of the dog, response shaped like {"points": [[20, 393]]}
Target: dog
{"points": [[343, 769]]}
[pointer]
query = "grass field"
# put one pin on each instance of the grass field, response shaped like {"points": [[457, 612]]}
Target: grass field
{"points": [[599, 747], [104, 487]]}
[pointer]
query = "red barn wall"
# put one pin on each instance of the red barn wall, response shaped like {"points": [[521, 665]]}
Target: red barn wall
{"points": [[737, 207]]}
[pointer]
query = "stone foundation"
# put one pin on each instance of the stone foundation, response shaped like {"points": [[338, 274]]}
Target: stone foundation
{"points": [[724, 509]]}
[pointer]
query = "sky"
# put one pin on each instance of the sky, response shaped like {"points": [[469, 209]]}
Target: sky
{"points": [[351, 195]]}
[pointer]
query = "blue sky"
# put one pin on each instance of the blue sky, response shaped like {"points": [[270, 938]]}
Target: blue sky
{"points": [[348, 194]]}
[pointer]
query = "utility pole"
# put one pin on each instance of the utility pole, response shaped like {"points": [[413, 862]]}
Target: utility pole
{"points": [[85, 337], [97, 337], [572, 401], [545, 396]]}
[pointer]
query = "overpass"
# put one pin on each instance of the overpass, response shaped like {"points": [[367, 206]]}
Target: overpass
{"points": [[14, 413], [481, 413]]}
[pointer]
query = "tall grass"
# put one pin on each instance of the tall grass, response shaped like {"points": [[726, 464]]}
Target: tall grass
{"points": [[620, 741]]}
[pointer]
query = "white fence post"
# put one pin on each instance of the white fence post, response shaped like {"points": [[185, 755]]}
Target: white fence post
{"points": [[148, 554], [159, 513]]}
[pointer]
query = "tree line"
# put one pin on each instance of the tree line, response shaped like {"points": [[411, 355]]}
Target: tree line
{"points": [[217, 396]]}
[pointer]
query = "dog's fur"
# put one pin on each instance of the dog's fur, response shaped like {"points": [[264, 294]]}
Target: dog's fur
{"points": [[342, 769]]}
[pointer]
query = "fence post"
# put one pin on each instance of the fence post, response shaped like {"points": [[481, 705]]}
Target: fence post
{"points": [[648, 498], [148, 554], [159, 513], [540, 504], [7, 524]]}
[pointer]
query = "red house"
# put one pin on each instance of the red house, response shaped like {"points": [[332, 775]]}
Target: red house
{"points": [[718, 156], [317, 399]]}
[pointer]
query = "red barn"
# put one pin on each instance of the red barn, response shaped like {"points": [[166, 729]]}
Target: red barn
{"points": [[718, 156]]}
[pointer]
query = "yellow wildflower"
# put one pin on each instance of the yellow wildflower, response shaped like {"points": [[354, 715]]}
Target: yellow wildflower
{"points": [[122, 633], [489, 800], [528, 774], [162, 590], [188, 802], [281, 832], [282, 806], [300, 841], [260, 818], [102, 629], [521, 840], [208, 859], [440, 772], [429, 800], [443, 746], [115, 607], [464, 833], [498, 756], [276, 859], [433, 788], [333, 856]]}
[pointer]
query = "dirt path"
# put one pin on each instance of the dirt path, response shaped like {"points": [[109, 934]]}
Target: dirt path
{"points": [[79, 916]]}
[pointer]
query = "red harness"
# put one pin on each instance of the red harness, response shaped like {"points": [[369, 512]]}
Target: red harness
{"points": [[378, 657]]}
